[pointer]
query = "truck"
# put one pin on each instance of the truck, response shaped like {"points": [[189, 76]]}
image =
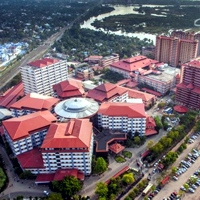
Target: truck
{"points": [[147, 189]]}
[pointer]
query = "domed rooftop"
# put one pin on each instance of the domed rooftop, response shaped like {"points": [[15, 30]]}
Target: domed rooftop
{"points": [[77, 108]]}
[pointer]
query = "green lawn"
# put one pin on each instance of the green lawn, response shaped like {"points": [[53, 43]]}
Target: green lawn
{"points": [[127, 154], [120, 159]]}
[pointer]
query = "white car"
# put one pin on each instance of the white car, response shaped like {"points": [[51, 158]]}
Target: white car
{"points": [[46, 193]]}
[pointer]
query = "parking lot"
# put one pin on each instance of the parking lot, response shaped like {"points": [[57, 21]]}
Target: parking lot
{"points": [[174, 185]]}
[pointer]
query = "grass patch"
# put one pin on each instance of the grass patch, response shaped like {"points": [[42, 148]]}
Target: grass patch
{"points": [[127, 154], [120, 159]]}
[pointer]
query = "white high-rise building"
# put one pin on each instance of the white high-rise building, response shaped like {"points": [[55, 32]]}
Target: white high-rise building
{"points": [[39, 76]]}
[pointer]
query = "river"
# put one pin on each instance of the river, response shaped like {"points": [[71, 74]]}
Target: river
{"points": [[121, 10]]}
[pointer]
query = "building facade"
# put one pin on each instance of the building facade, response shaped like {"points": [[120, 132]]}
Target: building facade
{"points": [[27, 132], [175, 51], [39, 76], [188, 91], [122, 116], [107, 61]]}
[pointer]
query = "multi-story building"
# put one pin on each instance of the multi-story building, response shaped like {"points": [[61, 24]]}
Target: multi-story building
{"points": [[27, 132], [107, 61], [188, 36], [130, 66], [122, 116], [108, 92], [69, 145], [175, 51], [68, 89], [32, 103], [84, 73], [39, 76], [188, 91]]}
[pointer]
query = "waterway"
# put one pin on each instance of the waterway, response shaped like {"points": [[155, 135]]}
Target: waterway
{"points": [[121, 10]]}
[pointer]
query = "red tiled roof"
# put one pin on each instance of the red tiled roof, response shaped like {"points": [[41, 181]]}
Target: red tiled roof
{"points": [[134, 63], [93, 57], [135, 110], [158, 94], [43, 62], [69, 88], [131, 84], [194, 63], [118, 174], [150, 132], [105, 92], [147, 152], [180, 109], [59, 175], [34, 101], [44, 178], [31, 159], [11, 96], [124, 81], [76, 133], [21, 127], [116, 148], [150, 121]]}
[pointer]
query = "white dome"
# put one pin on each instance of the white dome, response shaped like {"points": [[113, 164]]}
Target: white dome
{"points": [[76, 108]]}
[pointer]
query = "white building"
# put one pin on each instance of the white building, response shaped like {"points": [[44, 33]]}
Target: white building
{"points": [[27, 132], [39, 76], [69, 145], [122, 116]]}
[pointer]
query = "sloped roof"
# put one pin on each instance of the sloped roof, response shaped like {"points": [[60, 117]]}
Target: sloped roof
{"points": [[69, 88], [116, 148], [105, 92], [43, 62], [133, 63], [21, 127], [76, 133], [150, 121], [11, 95], [140, 95], [133, 110], [31, 159], [34, 101]]}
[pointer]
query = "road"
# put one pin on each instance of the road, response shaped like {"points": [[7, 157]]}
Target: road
{"points": [[90, 183], [40, 50]]}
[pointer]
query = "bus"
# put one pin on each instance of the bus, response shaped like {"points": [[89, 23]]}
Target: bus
{"points": [[147, 189]]}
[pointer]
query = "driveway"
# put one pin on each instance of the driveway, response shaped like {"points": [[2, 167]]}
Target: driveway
{"points": [[175, 185]]}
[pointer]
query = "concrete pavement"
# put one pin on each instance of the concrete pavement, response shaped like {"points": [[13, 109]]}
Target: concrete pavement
{"points": [[16, 186]]}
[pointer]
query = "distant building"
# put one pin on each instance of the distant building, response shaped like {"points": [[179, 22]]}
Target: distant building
{"points": [[175, 51], [188, 91], [84, 73], [68, 89], [32, 103], [108, 92], [103, 61], [39, 76], [122, 116], [108, 60]]}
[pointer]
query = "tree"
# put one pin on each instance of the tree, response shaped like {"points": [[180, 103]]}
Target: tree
{"points": [[186, 186], [101, 189], [55, 196], [150, 144], [158, 122], [69, 186], [137, 140], [128, 178], [174, 169], [100, 166], [2, 178], [157, 148]]}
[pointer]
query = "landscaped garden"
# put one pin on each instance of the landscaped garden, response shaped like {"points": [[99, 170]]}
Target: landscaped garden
{"points": [[120, 159]]}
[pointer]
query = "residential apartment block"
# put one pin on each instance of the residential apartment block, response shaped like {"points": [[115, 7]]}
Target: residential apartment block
{"points": [[27, 132], [108, 92], [32, 103], [40, 75], [124, 117], [175, 51], [43, 146], [188, 91], [143, 70]]}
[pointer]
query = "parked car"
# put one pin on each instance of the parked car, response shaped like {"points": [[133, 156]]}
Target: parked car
{"points": [[191, 190]]}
